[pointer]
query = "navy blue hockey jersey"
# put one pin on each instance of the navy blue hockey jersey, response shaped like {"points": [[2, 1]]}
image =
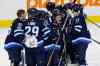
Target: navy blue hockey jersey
{"points": [[78, 28], [35, 27], [16, 33]]}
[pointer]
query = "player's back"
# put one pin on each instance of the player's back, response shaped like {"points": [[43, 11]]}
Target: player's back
{"points": [[34, 27]]}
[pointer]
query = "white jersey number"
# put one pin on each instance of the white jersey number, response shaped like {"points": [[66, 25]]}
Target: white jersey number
{"points": [[34, 30]]}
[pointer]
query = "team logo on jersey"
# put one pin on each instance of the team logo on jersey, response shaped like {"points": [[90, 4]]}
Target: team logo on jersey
{"points": [[19, 25]]}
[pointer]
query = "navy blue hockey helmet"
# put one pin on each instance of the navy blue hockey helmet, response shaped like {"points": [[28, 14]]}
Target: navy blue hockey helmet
{"points": [[60, 7], [68, 6], [77, 7], [42, 14], [58, 10], [32, 12]]}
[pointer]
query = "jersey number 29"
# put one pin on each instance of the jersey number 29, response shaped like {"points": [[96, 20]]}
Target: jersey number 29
{"points": [[33, 30]]}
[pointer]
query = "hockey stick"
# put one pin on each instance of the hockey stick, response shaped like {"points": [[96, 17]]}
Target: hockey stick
{"points": [[96, 26], [65, 45], [50, 58], [63, 52], [61, 57], [95, 41], [93, 22]]}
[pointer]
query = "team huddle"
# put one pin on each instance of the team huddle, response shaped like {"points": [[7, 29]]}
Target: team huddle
{"points": [[49, 37]]}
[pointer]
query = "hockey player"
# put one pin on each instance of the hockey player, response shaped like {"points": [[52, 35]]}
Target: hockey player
{"points": [[79, 37], [35, 33], [50, 6], [13, 42], [55, 40], [45, 17]]}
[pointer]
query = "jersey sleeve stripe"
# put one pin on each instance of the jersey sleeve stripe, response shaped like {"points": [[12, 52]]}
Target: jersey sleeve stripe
{"points": [[45, 33], [18, 30], [17, 34], [78, 30], [45, 38], [81, 38], [40, 42], [78, 26], [45, 29], [13, 44]]}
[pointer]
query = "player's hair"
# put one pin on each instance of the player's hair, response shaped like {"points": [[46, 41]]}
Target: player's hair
{"points": [[20, 12]]}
